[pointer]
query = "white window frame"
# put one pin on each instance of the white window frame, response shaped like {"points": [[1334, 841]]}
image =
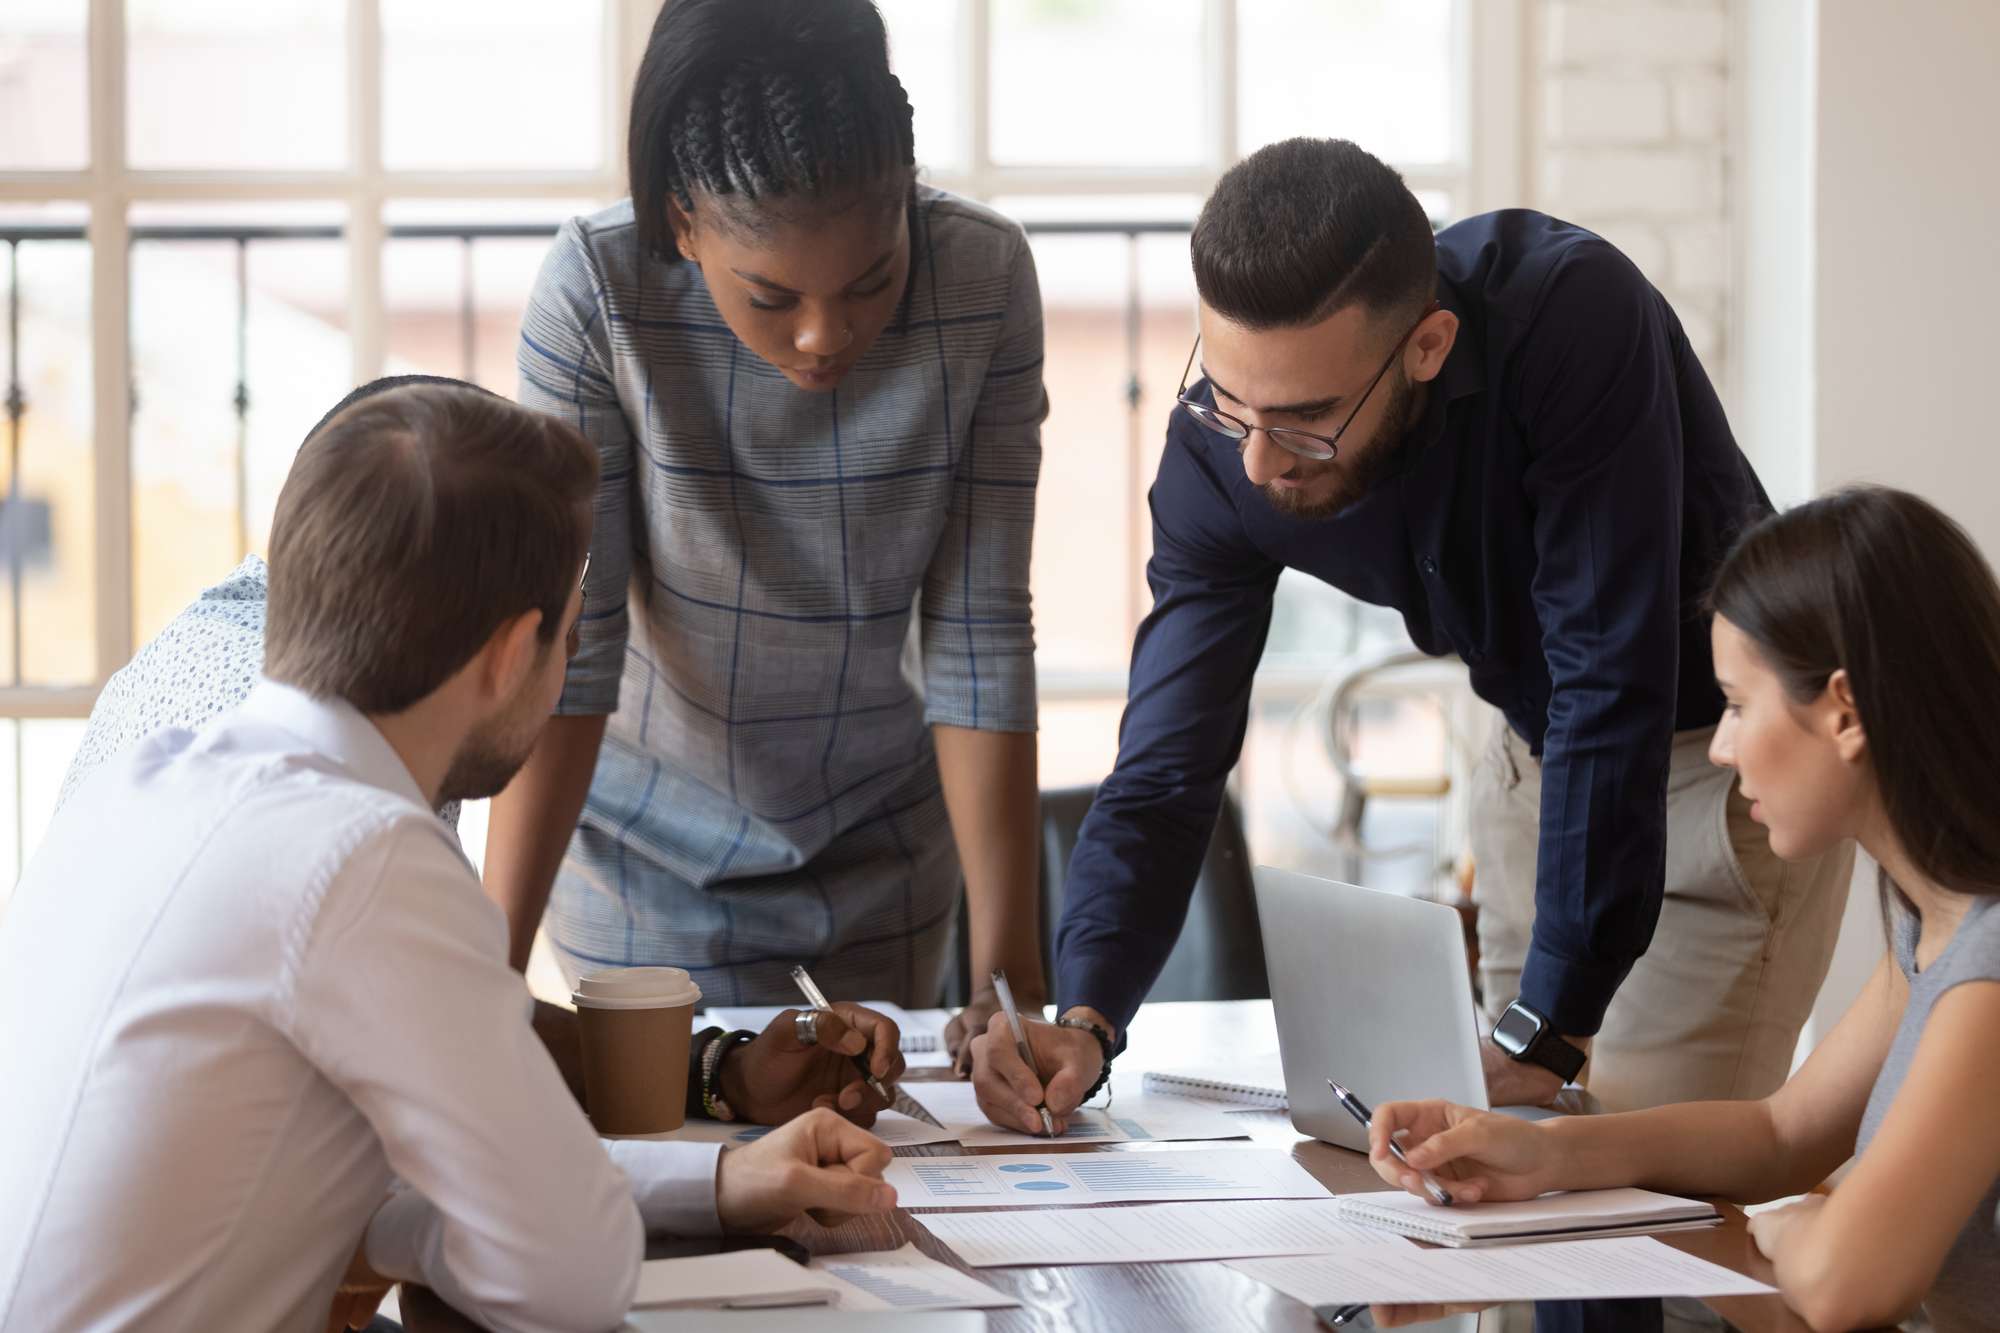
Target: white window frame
{"points": [[1490, 56], [110, 186]]}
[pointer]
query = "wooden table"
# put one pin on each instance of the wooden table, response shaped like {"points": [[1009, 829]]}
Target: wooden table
{"points": [[1196, 1296]]}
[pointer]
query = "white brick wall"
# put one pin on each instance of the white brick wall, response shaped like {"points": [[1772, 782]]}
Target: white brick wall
{"points": [[1631, 138]]}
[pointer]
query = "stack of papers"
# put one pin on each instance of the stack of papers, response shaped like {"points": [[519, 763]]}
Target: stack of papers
{"points": [[738, 1280], [1563, 1270], [1126, 1120], [909, 1279], [1028, 1180], [1577, 1215], [1151, 1233], [904, 1279]]}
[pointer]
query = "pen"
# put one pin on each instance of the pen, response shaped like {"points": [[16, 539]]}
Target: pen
{"points": [[1006, 994], [1360, 1112], [817, 999], [1339, 1316]]}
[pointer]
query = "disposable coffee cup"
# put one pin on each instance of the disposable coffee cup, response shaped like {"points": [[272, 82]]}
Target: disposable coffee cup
{"points": [[636, 1022]]}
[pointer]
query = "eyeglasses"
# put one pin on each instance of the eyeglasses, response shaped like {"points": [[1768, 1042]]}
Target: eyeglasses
{"points": [[574, 643], [1303, 443]]}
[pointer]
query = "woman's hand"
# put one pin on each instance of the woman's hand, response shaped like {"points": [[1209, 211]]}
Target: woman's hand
{"points": [[818, 1164], [1479, 1154]]}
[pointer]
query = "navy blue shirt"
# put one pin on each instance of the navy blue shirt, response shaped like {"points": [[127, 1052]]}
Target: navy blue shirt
{"points": [[1554, 519]]}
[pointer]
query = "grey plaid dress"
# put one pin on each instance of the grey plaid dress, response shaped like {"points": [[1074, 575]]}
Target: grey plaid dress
{"points": [[768, 792]]}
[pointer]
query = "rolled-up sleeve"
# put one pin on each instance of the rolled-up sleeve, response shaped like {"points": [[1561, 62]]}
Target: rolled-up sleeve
{"points": [[563, 358], [1597, 393], [1141, 847], [978, 630]]}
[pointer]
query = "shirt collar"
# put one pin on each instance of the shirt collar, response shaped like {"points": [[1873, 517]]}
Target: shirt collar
{"points": [[1462, 375], [336, 729]]}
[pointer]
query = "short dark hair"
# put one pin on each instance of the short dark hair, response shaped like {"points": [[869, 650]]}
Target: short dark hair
{"points": [[763, 100], [414, 523], [1883, 585], [1304, 228]]}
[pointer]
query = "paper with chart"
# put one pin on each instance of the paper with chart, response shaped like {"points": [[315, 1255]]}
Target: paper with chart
{"points": [[1126, 1120], [909, 1279], [735, 1280], [1554, 1271], [892, 1127], [1150, 1233], [904, 1279], [1023, 1179], [814, 1319]]}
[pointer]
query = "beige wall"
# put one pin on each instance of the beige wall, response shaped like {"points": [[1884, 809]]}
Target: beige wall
{"points": [[1869, 292], [1908, 280]]}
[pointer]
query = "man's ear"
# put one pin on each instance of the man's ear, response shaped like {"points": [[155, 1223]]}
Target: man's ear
{"points": [[1844, 717], [510, 656], [1430, 343]]}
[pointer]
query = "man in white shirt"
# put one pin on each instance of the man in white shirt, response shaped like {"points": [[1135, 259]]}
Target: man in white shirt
{"points": [[205, 661], [249, 984]]}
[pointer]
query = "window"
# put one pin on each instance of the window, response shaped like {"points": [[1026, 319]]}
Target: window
{"points": [[217, 214], [215, 217]]}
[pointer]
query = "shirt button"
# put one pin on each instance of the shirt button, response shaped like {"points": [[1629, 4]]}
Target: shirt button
{"points": [[1430, 565]]}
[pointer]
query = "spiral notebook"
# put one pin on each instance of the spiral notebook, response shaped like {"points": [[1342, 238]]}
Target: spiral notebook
{"points": [[1576, 1215], [1257, 1082]]}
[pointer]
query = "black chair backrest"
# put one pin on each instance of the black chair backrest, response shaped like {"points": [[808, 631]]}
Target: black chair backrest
{"points": [[1220, 954]]}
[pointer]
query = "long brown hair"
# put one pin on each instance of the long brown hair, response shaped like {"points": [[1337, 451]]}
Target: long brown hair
{"points": [[1883, 585]]}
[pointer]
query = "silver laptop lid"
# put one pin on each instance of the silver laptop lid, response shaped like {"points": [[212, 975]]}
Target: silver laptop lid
{"points": [[1370, 989]]}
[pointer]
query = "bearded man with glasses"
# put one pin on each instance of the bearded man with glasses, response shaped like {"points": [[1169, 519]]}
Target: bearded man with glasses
{"points": [[1500, 430]]}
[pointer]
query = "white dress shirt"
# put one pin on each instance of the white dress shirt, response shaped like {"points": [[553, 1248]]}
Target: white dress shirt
{"points": [[249, 982]]}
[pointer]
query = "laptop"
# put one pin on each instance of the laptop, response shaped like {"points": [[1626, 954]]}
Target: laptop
{"points": [[1370, 989]]}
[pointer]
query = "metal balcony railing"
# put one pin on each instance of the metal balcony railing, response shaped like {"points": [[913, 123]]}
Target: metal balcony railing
{"points": [[13, 518]]}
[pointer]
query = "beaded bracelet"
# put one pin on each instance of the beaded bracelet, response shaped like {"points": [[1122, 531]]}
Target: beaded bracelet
{"points": [[712, 1057], [1103, 1045]]}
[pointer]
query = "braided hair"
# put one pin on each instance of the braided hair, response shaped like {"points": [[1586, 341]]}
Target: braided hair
{"points": [[758, 105]]}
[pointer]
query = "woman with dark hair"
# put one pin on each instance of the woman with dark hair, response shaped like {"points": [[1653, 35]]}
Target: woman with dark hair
{"points": [[1857, 639], [815, 388]]}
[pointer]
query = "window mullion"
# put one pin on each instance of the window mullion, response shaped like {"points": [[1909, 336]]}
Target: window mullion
{"points": [[1219, 53], [368, 339], [111, 352], [1493, 95], [976, 56]]}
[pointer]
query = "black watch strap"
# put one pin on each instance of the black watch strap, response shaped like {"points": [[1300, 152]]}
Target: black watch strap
{"points": [[1558, 1056], [1542, 1045]]}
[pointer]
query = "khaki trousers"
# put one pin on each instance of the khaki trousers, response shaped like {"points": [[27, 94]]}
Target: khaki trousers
{"points": [[1714, 1007]]}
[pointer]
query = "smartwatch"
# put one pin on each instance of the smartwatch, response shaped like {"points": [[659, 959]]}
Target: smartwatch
{"points": [[1525, 1035]]}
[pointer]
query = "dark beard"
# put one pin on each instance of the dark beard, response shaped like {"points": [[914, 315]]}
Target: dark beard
{"points": [[482, 768], [1360, 471]]}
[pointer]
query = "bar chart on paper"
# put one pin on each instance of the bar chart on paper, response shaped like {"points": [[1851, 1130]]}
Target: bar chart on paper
{"points": [[907, 1279], [1099, 1177]]}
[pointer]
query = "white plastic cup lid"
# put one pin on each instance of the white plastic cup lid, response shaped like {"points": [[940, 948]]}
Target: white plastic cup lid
{"points": [[636, 988]]}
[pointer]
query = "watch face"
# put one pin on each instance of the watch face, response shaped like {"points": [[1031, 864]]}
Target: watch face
{"points": [[1516, 1030]]}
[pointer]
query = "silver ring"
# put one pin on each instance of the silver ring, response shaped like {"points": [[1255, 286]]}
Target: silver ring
{"points": [[805, 1027]]}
